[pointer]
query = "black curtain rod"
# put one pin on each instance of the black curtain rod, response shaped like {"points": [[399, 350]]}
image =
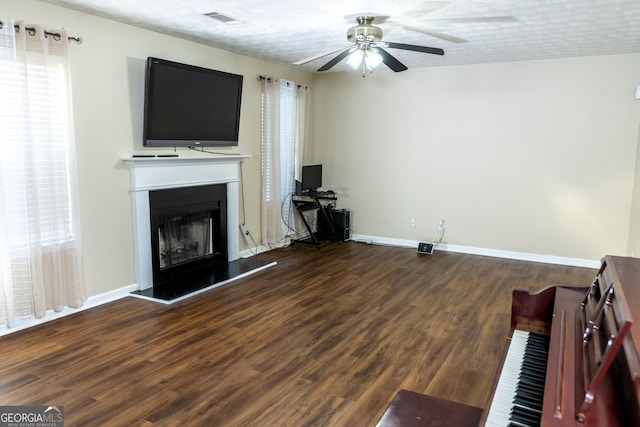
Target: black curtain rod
{"points": [[56, 36], [270, 79]]}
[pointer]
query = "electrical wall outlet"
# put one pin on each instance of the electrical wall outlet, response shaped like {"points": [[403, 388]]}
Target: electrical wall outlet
{"points": [[412, 223], [441, 225]]}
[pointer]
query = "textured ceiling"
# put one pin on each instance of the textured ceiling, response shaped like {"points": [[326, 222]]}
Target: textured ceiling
{"points": [[284, 31]]}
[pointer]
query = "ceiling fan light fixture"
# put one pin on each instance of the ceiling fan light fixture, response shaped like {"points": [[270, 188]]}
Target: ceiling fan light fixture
{"points": [[365, 58], [355, 59], [372, 58], [367, 50]]}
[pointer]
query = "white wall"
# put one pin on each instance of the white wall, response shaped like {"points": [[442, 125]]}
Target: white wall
{"points": [[108, 85], [535, 157]]}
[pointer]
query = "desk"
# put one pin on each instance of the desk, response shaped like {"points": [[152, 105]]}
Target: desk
{"points": [[313, 200]]}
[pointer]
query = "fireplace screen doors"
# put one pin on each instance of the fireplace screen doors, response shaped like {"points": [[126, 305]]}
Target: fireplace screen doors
{"points": [[184, 238], [188, 230]]}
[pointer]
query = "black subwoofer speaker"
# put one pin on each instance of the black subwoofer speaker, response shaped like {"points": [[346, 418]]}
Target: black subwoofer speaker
{"points": [[335, 224]]}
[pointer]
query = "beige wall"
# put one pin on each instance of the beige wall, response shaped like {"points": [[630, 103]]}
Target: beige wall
{"points": [[634, 224], [535, 157], [108, 85]]}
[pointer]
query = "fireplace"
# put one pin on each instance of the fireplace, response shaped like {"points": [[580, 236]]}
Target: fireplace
{"points": [[188, 231], [155, 175], [187, 208]]}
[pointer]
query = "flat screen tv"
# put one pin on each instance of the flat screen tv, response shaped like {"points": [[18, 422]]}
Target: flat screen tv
{"points": [[189, 106], [311, 177]]}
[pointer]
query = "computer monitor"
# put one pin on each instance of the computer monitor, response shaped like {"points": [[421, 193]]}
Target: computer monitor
{"points": [[311, 177]]}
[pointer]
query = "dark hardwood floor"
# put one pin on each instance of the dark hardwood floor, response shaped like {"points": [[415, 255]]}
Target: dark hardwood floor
{"points": [[325, 338]]}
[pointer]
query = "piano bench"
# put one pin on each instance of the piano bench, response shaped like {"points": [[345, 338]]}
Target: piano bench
{"points": [[411, 409]]}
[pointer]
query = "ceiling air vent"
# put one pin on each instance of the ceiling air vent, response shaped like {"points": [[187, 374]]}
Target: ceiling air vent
{"points": [[222, 18]]}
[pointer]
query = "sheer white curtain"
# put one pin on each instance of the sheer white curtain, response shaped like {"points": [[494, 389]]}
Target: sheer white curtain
{"points": [[39, 224], [303, 101], [284, 115]]}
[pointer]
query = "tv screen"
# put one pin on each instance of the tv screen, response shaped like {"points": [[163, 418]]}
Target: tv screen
{"points": [[189, 106], [311, 177]]}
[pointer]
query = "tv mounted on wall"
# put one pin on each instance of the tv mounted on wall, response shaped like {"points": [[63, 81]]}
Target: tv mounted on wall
{"points": [[189, 106]]}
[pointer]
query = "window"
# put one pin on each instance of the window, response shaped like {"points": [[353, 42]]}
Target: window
{"points": [[40, 151], [39, 243], [284, 115]]}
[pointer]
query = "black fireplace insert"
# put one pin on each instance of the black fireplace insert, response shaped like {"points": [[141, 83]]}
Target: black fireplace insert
{"points": [[188, 231]]}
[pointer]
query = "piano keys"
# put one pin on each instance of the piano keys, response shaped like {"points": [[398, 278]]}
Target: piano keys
{"points": [[518, 397]]}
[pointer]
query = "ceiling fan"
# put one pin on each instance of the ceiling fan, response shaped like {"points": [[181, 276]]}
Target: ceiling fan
{"points": [[366, 50], [419, 21]]}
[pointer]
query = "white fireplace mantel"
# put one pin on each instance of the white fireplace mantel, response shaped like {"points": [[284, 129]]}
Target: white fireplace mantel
{"points": [[157, 173]]}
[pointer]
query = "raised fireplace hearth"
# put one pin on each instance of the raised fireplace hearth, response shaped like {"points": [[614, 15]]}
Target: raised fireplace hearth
{"points": [[168, 237]]}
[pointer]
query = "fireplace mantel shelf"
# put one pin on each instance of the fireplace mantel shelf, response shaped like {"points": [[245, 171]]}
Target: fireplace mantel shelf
{"points": [[155, 173], [183, 159]]}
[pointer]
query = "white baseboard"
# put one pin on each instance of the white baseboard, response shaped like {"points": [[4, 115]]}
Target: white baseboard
{"points": [[125, 291], [496, 253], [91, 302]]}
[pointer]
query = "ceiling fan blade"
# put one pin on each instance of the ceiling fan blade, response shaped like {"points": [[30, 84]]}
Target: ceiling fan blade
{"points": [[478, 20], [423, 11], [436, 34], [320, 55], [390, 61], [425, 49], [337, 59]]}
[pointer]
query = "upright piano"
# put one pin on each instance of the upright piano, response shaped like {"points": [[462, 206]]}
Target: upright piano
{"points": [[571, 359]]}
